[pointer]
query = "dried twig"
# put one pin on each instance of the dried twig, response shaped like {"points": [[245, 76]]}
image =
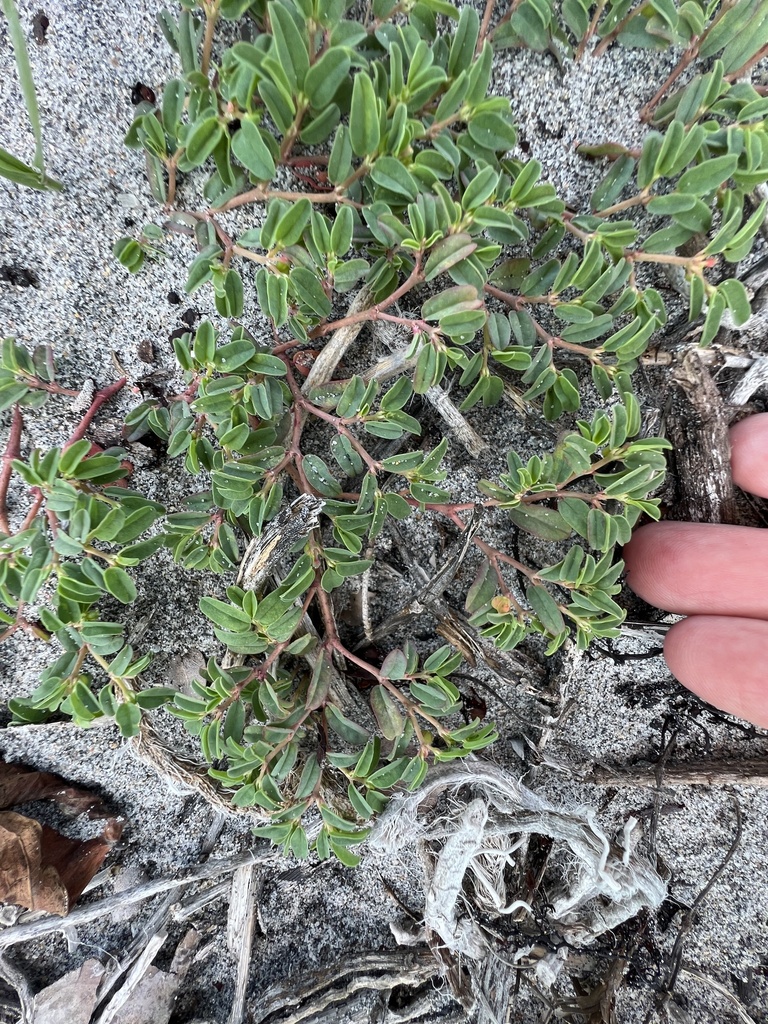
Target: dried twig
{"points": [[741, 1013], [697, 426], [749, 772], [240, 923], [755, 378], [264, 552], [457, 425], [368, 971], [689, 918], [192, 905], [124, 972], [333, 351], [133, 977], [11, 974], [432, 588], [451, 624], [83, 915]]}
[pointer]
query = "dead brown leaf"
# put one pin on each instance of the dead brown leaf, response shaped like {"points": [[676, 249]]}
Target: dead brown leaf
{"points": [[40, 868]]}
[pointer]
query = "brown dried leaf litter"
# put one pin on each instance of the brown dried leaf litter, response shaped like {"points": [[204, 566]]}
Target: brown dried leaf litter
{"points": [[40, 868]]}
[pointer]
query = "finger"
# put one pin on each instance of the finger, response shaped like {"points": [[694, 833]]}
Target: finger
{"points": [[723, 661], [749, 454], [700, 568]]}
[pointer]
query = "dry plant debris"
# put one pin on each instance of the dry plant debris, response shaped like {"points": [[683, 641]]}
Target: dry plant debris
{"points": [[40, 868], [600, 885], [147, 997]]}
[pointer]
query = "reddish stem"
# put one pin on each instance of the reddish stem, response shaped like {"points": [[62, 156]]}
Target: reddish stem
{"points": [[485, 24], [37, 500], [734, 76], [98, 400], [375, 312], [50, 386], [12, 451]]}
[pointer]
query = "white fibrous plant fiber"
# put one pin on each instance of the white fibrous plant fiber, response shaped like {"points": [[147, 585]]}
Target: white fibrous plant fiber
{"points": [[603, 884]]}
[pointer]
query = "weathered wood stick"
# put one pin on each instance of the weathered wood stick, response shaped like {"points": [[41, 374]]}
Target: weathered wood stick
{"points": [[698, 428], [749, 772]]}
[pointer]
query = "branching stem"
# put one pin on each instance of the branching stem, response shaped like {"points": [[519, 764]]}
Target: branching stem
{"points": [[591, 29], [102, 396], [377, 312]]}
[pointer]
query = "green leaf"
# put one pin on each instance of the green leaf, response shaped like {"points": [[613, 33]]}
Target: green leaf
{"points": [[291, 225], [24, 69], [120, 585], [741, 243], [390, 174], [545, 523], [737, 299], [395, 665], [73, 456], [464, 41], [325, 77], [309, 291], [492, 131], [290, 44], [340, 160], [609, 189], [226, 615], [545, 609], [362, 808], [320, 477], [390, 774], [480, 190], [447, 253], [460, 299], [345, 728], [707, 176], [203, 138], [713, 318], [388, 717], [364, 130], [279, 105], [318, 130], [128, 719], [252, 152], [126, 251]]}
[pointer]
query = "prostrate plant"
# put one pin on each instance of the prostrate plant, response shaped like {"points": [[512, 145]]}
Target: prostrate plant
{"points": [[736, 30], [415, 208], [79, 533]]}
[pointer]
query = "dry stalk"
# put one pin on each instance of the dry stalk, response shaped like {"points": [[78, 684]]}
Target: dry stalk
{"points": [[712, 983], [697, 426], [31, 930], [749, 772], [689, 918], [240, 925], [366, 972]]}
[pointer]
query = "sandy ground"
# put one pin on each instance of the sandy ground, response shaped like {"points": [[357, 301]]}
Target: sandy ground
{"points": [[85, 305]]}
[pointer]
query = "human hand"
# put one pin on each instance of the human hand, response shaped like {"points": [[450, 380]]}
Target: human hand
{"points": [[718, 576]]}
